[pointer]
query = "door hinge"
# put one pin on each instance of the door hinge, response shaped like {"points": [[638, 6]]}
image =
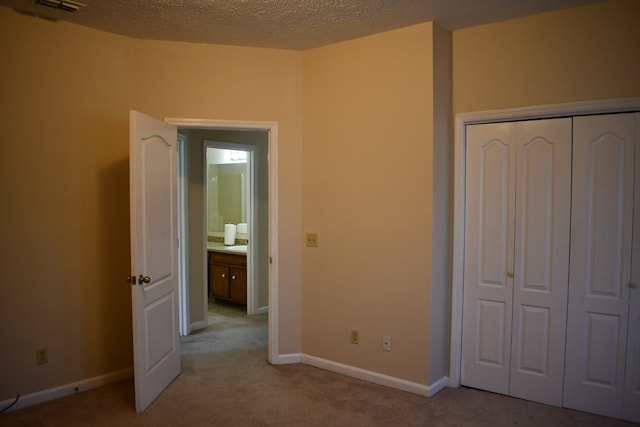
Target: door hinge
{"points": [[130, 280]]}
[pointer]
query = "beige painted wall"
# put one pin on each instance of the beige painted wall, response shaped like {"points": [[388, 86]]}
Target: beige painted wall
{"points": [[578, 54], [367, 174], [64, 227], [64, 234]]}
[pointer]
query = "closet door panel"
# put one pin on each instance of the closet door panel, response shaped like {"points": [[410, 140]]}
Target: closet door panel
{"points": [[542, 225], [601, 231], [486, 327], [631, 405]]}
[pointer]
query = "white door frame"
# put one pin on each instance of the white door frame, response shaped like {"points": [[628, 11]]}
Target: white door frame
{"points": [[461, 121], [183, 214], [272, 129]]}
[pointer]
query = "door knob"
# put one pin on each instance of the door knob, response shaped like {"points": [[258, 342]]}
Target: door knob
{"points": [[631, 285], [509, 274], [143, 279]]}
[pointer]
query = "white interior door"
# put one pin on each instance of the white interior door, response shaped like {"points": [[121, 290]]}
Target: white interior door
{"points": [[541, 265], [631, 404], [601, 231], [153, 180], [488, 259]]}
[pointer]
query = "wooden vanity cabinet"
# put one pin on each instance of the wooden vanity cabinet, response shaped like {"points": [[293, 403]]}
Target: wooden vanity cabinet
{"points": [[228, 276]]}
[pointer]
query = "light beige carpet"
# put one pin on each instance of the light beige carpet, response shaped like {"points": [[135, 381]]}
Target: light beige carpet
{"points": [[237, 387]]}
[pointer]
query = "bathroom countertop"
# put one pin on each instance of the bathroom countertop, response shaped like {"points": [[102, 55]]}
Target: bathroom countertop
{"points": [[220, 247]]}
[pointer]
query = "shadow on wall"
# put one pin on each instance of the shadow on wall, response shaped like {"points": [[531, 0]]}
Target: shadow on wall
{"points": [[114, 309]]}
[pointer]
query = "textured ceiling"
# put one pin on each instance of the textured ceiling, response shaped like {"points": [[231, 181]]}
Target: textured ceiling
{"points": [[283, 24]]}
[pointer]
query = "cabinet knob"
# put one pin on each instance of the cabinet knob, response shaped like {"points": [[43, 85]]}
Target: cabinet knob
{"points": [[233, 277], [224, 275]]}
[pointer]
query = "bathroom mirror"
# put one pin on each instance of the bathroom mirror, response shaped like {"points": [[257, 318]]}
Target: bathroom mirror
{"points": [[227, 188]]}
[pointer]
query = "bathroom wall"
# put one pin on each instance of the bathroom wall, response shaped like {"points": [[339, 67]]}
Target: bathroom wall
{"points": [[196, 220], [227, 189]]}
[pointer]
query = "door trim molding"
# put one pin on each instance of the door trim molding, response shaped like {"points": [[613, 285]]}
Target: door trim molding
{"points": [[619, 105], [183, 291], [272, 128]]}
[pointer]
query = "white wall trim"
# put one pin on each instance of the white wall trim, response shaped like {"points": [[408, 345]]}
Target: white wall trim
{"points": [[513, 114], [262, 310], [196, 326], [373, 377], [67, 389], [286, 359], [272, 128], [183, 214], [438, 385]]}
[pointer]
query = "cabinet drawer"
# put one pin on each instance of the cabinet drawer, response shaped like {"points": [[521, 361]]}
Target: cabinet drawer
{"points": [[229, 259]]}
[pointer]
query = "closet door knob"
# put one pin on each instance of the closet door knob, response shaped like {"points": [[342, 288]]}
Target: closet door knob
{"points": [[509, 274], [631, 285]]}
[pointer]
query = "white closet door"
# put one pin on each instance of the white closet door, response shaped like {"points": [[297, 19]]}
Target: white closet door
{"points": [[488, 293], [541, 269], [601, 230], [631, 405]]}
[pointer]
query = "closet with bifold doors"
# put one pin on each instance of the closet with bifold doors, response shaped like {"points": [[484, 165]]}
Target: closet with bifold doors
{"points": [[551, 303]]}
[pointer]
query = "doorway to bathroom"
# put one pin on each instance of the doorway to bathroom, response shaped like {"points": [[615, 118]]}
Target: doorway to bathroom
{"points": [[258, 141]]}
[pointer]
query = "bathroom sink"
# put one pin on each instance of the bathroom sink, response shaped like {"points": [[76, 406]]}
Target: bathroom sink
{"points": [[239, 248]]}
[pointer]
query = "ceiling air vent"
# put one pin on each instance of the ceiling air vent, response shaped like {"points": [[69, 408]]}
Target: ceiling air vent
{"points": [[66, 5]]}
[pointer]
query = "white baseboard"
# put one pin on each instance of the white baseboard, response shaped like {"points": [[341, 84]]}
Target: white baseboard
{"points": [[262, 310], [375, 377], [287, 359], [66, 390], [196, 326], [438, 385]]}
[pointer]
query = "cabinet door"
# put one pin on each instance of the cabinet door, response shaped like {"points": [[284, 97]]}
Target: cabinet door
{"points": [[219, 281], [488, 259], [238, 284], [600, 267]]}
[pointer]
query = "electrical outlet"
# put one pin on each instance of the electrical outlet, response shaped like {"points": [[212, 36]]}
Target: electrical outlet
{"points": [[41, 356], [312, 240], [355, 336], [386, 343]]}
